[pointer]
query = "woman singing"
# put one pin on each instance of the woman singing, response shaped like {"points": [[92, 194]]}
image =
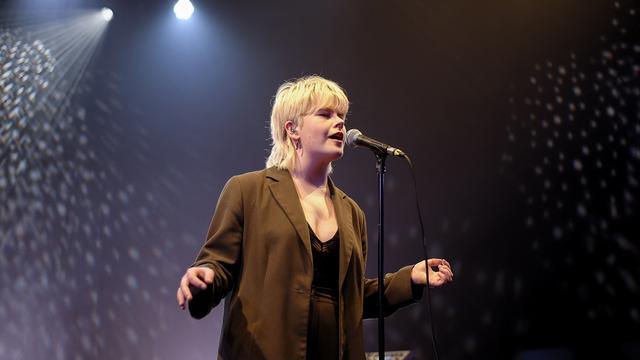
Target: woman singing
{"points": [[287, 248]]}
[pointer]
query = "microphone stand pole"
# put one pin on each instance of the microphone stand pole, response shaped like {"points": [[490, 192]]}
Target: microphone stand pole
{"points": [[381, 170]]}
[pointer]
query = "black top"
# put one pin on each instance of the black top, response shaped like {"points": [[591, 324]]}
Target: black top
{"points": [[326, 262]]}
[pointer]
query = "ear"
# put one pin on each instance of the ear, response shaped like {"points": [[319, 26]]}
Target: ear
{"points": [[292, 130]]}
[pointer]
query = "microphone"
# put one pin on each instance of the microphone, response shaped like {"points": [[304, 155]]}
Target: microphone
{"points": [[356, 138]]}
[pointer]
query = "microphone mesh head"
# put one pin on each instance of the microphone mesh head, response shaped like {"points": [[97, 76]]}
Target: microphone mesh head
{"points": [[352, 135]]}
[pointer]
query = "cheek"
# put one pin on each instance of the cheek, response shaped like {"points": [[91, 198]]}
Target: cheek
{"points": [[310, 137], [316, 135]]}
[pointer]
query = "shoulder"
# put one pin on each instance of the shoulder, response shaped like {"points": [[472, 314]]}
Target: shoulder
{"points": [[242, 183], [270, 172], [260, 176], [254, 183], [249, 177]]}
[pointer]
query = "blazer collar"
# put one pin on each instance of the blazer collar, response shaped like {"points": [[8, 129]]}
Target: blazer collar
{"points": [[284, 191], [284, 176]]}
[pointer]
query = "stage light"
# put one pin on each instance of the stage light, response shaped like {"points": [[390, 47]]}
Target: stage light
{"points": [[107, 14], [183, 9]]}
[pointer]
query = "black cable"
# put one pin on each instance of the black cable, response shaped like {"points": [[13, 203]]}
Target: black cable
{"points": [[426, 258]]}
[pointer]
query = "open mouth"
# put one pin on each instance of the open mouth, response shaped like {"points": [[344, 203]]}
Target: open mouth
{"points": [[337, 136]]}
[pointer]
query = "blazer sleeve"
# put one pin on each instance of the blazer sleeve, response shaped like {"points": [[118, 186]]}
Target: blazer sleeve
{"points": [[399, 291], [221, 250]]}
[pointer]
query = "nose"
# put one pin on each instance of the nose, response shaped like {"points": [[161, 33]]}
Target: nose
{"points": [[339, 123]]}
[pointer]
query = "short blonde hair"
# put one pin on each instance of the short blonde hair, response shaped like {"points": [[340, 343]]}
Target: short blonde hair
{"points": [[294, 100]]}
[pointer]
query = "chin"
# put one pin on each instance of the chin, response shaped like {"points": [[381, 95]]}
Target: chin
{"points": [[332, 155]]}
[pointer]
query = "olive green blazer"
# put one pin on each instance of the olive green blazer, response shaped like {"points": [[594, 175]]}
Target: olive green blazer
{"points": [[259, 248]]}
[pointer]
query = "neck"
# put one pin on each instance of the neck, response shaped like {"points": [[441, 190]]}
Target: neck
{"points": [[311, 174]]}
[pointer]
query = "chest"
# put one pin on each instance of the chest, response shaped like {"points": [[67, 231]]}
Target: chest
{"points": [[321, 216]]}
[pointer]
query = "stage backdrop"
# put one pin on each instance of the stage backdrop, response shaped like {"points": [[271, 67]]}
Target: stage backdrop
{"points": [[522, 119]]}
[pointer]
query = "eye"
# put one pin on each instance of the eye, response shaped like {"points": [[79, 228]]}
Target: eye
{"points": [[324, 113]]}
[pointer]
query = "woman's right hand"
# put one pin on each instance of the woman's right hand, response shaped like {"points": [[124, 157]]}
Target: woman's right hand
{"points": [[196, 278]]}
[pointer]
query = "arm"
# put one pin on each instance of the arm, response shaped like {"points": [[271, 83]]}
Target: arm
{"points": [[220, 253]]}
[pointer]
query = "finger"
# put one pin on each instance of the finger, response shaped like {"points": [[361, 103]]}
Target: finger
{"points": [[435, 262], [443, 266], [184, 286], [446, 262], [208, 276], [180, 298], [446, 271], [204, 273], [195, 281]]}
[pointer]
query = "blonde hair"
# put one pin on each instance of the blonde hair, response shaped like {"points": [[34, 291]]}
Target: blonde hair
{"points": [[294, 100]]}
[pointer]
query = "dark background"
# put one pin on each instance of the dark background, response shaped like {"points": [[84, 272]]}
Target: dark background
{"points": [[522, 119]]}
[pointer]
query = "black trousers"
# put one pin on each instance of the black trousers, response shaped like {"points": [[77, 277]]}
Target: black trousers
{"points": [[322, 336]]}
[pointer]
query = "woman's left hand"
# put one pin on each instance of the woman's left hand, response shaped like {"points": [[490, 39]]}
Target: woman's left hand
{"points": [[436, 278]]}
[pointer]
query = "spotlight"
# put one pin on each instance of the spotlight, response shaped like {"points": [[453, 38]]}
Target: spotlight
{"points": [[183, 9], [107, 14]]}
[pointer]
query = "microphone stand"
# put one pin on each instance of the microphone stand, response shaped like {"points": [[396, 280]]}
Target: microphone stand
{"points": [[381, 169]]}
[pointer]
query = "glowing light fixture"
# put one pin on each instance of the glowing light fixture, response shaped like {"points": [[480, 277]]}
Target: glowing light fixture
{"points": [[107, 14], [183, 9]]}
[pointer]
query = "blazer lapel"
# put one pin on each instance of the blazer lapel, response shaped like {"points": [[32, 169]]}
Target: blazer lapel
{"points": [[284, 191], [345, 229]]}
